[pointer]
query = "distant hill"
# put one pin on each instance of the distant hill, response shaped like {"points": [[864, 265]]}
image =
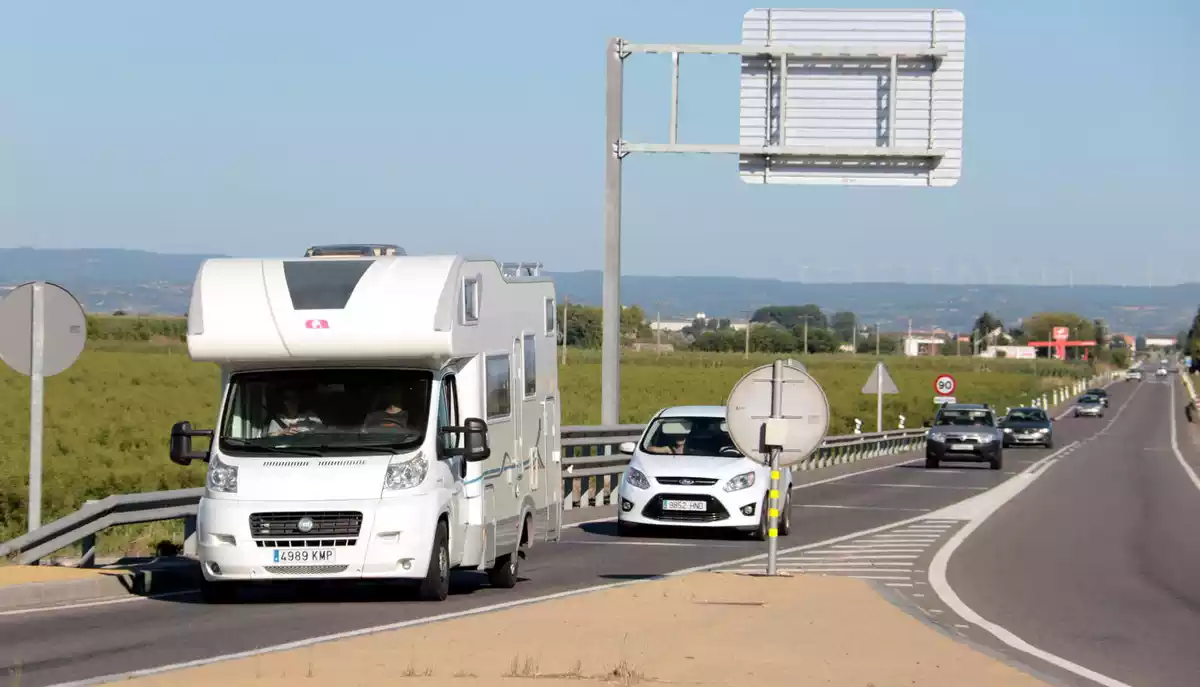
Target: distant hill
{"points": [[143, 282]]}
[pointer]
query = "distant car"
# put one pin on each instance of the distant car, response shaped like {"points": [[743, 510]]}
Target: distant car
{"points": [[964, 432], [1089, 405], [1162, 372], [1134, 374], [686, 472], [1099, 393], [1027, 427]]}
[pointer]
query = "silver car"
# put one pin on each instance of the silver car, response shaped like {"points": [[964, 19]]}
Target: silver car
{"points": [[964, 432], [1089, 405]]}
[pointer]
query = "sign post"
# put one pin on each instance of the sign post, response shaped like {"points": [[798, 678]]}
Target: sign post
{"points": [[915, 85], [777, 414], [42, 332], [879, 383]]}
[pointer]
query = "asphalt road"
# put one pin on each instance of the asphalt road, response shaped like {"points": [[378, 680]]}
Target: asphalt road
{"points": [[55, 646], [1098, 560]]}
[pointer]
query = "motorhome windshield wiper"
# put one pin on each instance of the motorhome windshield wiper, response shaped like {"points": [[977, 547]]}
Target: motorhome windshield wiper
{"points": [[359, 447], [247, 446]]}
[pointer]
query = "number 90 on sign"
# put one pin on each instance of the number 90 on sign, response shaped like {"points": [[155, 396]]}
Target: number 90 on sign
{"points": [[944, 385]]}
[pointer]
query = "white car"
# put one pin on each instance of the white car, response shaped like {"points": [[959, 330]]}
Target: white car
{"points": [[1162, 372], [686, 472]]}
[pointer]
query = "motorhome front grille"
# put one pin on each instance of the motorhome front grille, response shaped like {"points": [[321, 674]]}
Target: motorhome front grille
{"points": [[686, 481], [713, 510], [305, 569], [302, 543], [326, 524]]}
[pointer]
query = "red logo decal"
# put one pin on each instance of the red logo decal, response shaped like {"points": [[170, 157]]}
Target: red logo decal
{"points": [[316, 324]]}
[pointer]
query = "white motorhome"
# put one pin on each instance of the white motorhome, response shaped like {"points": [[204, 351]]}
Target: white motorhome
{"points": [[386, 417]]}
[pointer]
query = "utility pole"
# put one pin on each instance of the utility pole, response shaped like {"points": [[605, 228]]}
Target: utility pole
{"points": [[854, 334], [806, 335], [877, 341], [566, 305], [658, 328], [748, 314]]}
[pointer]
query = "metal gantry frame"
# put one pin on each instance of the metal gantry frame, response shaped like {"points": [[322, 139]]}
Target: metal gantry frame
{"points": [[774, 147]]}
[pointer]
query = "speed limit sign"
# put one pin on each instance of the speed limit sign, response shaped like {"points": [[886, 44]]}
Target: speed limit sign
{"points": [[944, 385]]}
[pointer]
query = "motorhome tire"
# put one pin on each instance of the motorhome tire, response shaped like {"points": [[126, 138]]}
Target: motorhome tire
{"points": [[218, 592], [436, 585], [503, 575]]}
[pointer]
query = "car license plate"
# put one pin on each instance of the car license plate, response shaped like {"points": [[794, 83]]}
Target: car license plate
{"points": [[671, 504], [961, 447], [303, 556]]}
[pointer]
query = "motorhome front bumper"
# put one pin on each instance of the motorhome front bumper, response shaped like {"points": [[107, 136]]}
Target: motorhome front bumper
{"points": [[272, 540]]}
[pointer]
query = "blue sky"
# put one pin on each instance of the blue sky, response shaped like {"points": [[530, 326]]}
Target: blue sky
{"points": [[261, 128]]}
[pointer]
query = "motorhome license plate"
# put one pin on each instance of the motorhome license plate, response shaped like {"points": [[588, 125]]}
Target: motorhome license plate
{"points": [[672, 504], [961, 447], [303, 556]]}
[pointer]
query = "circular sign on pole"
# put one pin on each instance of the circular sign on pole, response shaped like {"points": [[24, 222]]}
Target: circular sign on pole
{"points": [[63, 331], [944, 385], [803, 407]]}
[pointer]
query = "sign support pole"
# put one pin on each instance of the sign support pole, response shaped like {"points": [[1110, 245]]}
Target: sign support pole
{"points": [[610, 357], [37, 350], [773, 512], [879, 398]]}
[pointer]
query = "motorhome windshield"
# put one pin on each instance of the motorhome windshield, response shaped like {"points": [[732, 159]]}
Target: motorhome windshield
{"points": [[690, 436], [316, 411]]}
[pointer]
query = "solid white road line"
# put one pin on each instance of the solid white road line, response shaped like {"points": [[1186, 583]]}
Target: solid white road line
{"points": [[984, 506], [1175, 444], [100, 602], [879, 508]]}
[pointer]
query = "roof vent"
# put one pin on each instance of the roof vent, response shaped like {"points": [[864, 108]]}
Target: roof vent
{"points": [[521, 269], [354, 250]]}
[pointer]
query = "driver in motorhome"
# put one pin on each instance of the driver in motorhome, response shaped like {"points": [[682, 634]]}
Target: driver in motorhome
{"points": [[292, 420]]}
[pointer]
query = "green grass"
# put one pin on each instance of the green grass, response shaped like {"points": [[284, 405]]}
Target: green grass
{"points": [[108, 417]]}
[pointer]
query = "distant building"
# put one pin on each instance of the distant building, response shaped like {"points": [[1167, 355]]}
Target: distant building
{"points": [[1018, 352], [1153, 341]]}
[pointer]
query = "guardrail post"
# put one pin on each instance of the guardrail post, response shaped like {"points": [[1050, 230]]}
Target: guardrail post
{"points": [[87, 547], [189, 535]]}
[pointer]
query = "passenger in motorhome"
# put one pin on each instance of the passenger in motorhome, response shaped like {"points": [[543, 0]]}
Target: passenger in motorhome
{"points": [[291, 420], [390, 413]]}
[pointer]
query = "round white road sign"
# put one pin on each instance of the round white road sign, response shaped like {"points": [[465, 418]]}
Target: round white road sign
{"points": [[64, 328], [804, 407], [944, 385]]}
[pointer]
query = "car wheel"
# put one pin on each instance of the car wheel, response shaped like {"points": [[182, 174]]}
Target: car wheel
{"points": [[625, 529], [760, 533], [785, 517], [436, 585], [931, 463], [998, 461]]}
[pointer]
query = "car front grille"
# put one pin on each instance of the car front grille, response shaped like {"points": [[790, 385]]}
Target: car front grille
{"points": [[326, 524], [713, 510], [686, 481], [302, 543]]}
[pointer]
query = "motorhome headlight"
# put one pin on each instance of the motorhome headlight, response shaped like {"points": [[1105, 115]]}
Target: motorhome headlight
{"points": [[637, 478], [739, 482], [221, 477], [406, 474]]}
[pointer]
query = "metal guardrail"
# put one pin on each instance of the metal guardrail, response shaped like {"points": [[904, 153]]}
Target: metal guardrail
{"points": [[592, 470]]}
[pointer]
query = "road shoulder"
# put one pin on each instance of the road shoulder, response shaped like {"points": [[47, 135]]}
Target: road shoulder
{"points": [[703, 629]]}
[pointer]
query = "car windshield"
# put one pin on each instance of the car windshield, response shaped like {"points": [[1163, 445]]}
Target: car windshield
{"points": [[1026, 415], [1089, 399], [970, 418], [314, 411], [689, 436]]}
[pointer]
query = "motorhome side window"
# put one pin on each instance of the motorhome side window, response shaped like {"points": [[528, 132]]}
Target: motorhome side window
{"points": [[551, 317], [470, 300], [499, 386], [270, 413], [529, 355], [448, 413]]}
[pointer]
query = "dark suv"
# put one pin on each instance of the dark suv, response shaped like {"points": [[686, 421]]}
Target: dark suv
{"points": [[964, 432]]}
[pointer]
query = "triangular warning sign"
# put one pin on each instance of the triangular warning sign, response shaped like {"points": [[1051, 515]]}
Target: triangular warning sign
{"points": [[879, 376]]}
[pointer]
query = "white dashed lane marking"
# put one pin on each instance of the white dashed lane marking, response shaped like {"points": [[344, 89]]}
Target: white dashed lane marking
{"points": [[891, 556]]}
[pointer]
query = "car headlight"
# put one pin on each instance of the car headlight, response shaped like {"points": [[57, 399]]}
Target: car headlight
{"points": [[221, 477], [406, 474], [935, 437], [637, 478], [739, 482], [1008, 430]]}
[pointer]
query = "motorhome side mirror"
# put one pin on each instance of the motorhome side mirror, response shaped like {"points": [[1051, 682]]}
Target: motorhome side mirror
{"points": [[181, 443], [626, 447], [475, 440]]}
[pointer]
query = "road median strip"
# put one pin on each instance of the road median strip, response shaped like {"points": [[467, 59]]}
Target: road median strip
{"points": [[702, 629]]}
